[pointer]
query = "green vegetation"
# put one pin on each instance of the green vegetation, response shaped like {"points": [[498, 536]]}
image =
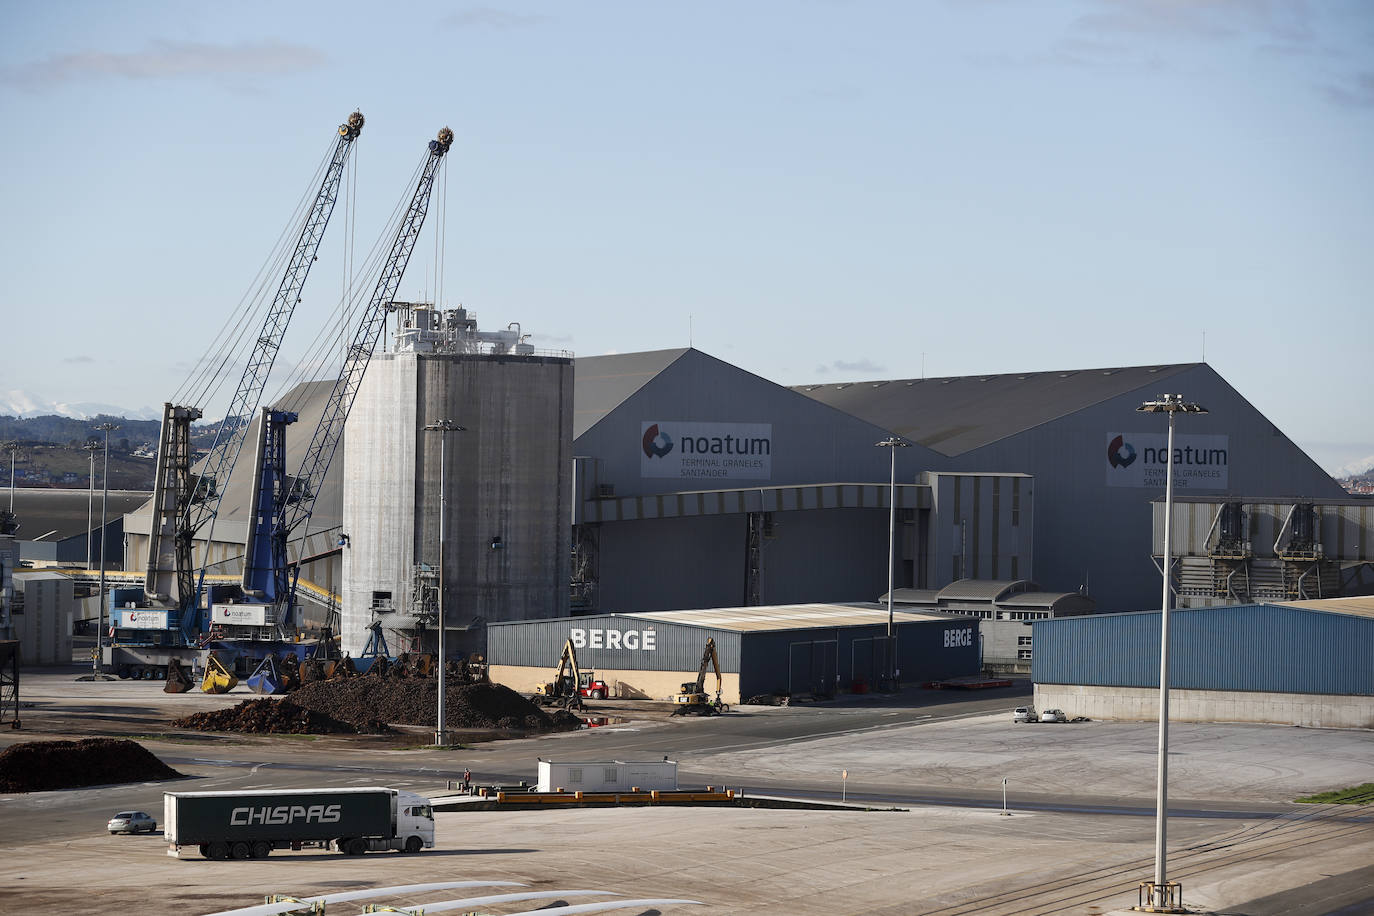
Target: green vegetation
{"points": [[1357, 795]]}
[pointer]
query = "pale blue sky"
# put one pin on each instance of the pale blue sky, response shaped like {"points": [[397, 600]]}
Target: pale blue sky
{"points": [[819, 191]]}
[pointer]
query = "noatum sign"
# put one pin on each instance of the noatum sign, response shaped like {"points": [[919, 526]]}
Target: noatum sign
{"points": [[1142, 460], [706, 451]]}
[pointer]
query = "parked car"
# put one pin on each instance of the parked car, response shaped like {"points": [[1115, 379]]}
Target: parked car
{"points": [[1023, 714], [131, 822], [1053, 715]]}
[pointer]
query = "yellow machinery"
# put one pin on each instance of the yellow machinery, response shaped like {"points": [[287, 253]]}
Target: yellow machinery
{"points": [[218, 679], [563, 689], [692, 700]]}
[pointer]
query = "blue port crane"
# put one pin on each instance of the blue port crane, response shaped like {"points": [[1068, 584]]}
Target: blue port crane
{"points": [[203, 507]]}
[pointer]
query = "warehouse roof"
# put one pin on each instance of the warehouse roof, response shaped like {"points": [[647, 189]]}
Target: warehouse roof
{"points": [[787, 616], [1001, 594], [961, 413], [56, 515], [308, 399], [602, 383], [1360, 606]]}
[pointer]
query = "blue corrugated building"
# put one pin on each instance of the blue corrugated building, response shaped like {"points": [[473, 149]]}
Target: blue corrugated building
{"points": [[1300, 663]]}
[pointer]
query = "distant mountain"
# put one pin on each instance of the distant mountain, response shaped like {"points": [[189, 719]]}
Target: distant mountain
{"points": [[1355, 468], [21, 404]]}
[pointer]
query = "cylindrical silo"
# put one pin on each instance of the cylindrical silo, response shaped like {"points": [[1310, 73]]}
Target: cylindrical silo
{"points": [[507, 475]]}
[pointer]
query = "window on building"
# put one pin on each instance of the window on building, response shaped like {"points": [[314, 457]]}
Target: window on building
{"points": [[574, 774], [381, 601], [1023, 640], [1023, 654], [610, 774]]}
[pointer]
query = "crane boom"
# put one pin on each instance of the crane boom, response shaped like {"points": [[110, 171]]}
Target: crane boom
{"points": [[224, 452], [359, 354]]}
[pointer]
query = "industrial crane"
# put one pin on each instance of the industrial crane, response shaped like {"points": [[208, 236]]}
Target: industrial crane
{"points": [[280, 503], [224, 452], [182, 502]]}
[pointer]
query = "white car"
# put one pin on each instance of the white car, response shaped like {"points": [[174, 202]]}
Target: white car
{"points": [[1053, 715], [131, 822], [1023, 714]]}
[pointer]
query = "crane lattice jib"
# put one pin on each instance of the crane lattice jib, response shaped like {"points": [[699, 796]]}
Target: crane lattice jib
{"points": [[327, 434], [229, 440]]}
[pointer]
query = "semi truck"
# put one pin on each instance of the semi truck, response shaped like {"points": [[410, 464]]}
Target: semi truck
{"points": [[251, 824]]}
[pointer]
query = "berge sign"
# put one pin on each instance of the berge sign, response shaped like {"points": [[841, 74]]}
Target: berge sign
{"points": [[1142, 460], [597, 638], [720, 451]]}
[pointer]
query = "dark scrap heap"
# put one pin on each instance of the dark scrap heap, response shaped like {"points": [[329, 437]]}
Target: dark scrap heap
{"points": [[368, 704], [42, 766]]}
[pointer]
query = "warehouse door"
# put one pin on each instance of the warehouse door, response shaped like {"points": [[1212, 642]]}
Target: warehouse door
{"points": [[811, 667], [868, 662]]}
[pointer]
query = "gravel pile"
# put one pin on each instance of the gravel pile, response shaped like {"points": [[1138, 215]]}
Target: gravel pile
{"points": [[41, 766], [276, 717]]}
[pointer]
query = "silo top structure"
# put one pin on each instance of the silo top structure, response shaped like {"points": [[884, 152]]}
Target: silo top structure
{"points": [[506, 478]]}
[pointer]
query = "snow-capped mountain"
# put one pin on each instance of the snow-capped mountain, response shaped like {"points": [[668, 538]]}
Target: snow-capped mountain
{"points": [[16, 403], [1355, 468]]}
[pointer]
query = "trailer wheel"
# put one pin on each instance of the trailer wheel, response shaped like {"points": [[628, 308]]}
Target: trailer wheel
{"points": [[219, 850], [204, 851], [414, 844], [241, 850], [352, 847], [262, 849]]}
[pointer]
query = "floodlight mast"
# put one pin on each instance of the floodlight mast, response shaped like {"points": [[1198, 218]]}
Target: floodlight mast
{"points": [[892, 443], [1162, 897]]}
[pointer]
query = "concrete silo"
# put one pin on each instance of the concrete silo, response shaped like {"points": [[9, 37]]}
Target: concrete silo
{"points": [[507, 476]]}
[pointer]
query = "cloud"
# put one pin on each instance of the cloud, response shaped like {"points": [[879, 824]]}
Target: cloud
{"points": [[79, 359], [1357, 93], [1206, 20], [166, 60], [839, 365], [485, 17]]}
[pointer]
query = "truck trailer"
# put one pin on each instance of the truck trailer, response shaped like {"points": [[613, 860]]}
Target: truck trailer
{"points": [[250, 824]]}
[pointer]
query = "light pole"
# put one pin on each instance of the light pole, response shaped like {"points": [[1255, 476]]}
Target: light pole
{"points": [[13, 447], [91, 448], [1162, 898], [96, 673], [443, 427], [892, 443]]}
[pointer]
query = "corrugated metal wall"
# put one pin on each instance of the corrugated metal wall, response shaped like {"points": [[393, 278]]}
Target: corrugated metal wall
{"points": [[1345, 532], [1258, 647]]}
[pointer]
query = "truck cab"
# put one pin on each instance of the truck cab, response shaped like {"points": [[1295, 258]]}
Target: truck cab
{"points": [[414, 818]]}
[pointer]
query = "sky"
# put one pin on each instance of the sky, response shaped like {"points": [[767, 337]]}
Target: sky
{"points": [[813, 190]]}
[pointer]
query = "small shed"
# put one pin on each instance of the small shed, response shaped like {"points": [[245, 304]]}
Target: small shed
{"points": [[607, 776]]}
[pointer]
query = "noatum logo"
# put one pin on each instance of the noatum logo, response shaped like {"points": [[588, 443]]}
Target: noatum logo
{"points": [[1120, 453], [696, 449], [1136, 459], [656, 444]]}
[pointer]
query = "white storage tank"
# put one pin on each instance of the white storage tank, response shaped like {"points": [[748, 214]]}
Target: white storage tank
{"points": [[607, 776]]}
